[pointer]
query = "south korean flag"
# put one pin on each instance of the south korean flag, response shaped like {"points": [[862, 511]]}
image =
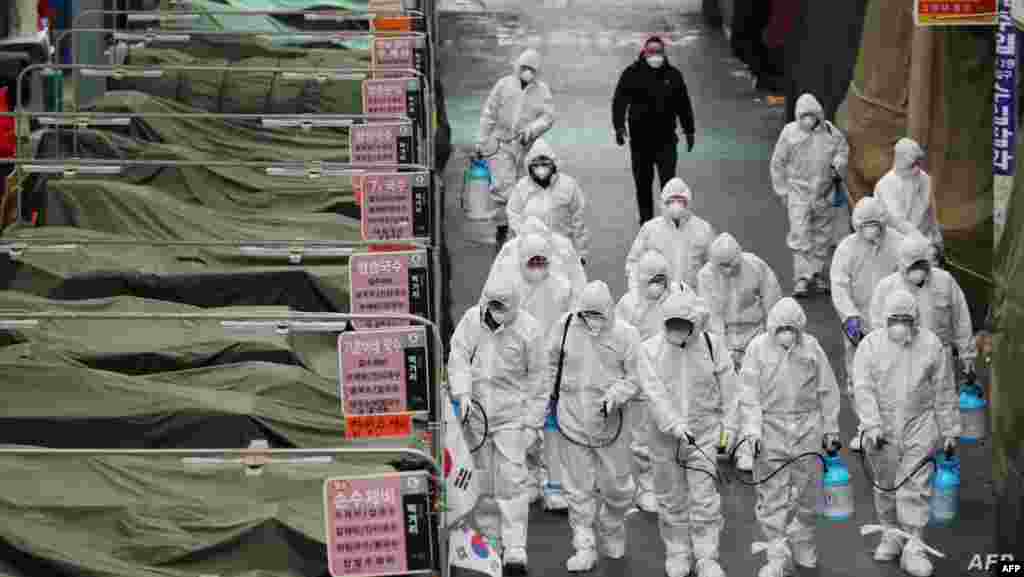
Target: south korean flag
{"points": [[461, 482]]}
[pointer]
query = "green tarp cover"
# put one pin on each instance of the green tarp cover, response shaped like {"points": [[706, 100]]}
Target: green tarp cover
{"points": [[244, 91], [145, 212], [146, 346], [157, 517], [53, 400], [315, 285]]}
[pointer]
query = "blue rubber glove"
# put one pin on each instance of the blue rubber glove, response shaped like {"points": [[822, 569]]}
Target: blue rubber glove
{"points": [[854, 330]]}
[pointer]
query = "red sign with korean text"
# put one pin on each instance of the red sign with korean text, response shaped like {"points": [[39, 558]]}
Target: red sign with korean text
{"points": [[955, 12], [374, 143]]}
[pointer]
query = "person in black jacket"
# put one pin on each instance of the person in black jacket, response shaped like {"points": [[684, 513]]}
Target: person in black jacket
{"points": [[654, 95]]}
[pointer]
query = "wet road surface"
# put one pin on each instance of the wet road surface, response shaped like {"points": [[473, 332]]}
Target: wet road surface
{"points": [[583, 54]]}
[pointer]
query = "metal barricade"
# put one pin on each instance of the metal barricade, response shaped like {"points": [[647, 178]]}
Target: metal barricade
{"points": [[319, 75], [278, 322]]}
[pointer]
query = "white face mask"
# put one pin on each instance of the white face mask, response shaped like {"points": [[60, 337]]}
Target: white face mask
{"points": [[526, 75], [542, 172], [498, 316], [655, 61], [675, 210], [785, 338], [677, 337], [917, 276], [808, 122], [534, 275], [871, 232], [655, 290], [899, 333]]}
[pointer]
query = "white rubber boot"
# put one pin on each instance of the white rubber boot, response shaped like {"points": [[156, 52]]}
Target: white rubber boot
{"points": [[915, 561], [890, 547], [708, 568], [678, 566], [584, 560]]}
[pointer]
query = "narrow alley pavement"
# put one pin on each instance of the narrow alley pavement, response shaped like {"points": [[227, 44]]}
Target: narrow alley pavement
{"points": [[584, 50]]}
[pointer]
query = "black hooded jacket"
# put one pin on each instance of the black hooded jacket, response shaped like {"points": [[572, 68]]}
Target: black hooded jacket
{"points": [[654, 98]]}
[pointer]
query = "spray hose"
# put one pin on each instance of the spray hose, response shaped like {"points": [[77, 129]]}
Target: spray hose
{"points": [[910, 540], [487, 424], [868, 472], [721, 477], [600, 444]]}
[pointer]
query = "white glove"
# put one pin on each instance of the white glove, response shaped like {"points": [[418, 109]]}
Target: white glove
{"points": [[873, 438], [968, 365], [683, 434], [465, 406]]}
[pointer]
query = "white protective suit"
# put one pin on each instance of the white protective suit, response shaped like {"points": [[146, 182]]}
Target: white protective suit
{"points": [[513, 117], [693, 392], [560, 205], [684, 242], [903, 397], [907, 195], [503, 370], [790, 401], [940, 303], [547, 300], [565, 261], [739, 300], [642, 308], [602, 364], [801, 169], [739, 303], [858, 265]]}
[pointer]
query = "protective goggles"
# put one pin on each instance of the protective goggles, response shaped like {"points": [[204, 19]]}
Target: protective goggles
{"points": [[900, 320], [679, 324], [537, 262], [496, 306]]}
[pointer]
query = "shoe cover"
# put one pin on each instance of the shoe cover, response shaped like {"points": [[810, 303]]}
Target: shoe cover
{"points": [[773, 568], [555, 502], [915, 562], [805, 555], [708, 568], [855, 443], [647, 502], [889, 548], [514, 561], [583, 560], [801, 289], [678, 566]]}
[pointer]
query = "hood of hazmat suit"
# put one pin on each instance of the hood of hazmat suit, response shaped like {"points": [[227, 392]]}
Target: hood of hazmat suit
{"points": [[903, 388], [641, 306], [684, 242], [941, 303], [802, 162], [906, 193], [565, 259], [738, 299], [504, 369], [858, 264], [560, 204], [512, 109], [694, 385], [599, 361], [547, 296]]}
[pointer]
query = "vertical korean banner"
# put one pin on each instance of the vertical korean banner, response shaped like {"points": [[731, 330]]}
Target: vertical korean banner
{"points": [[1004, 117]]}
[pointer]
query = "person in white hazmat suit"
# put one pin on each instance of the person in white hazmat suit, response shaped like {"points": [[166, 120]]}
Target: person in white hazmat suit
{"points": [[809, 149], [860, 262], [642, 308], [739, 288], [693, 398], [603, 366], [517, 111], [546, 296], [552, 196], [942, 307], [564, 259], [905, 407], [789, 406], [497, 360], [906, 192], [680, 235]]}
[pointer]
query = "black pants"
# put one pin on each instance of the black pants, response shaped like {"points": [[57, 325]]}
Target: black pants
{"points": [[645, 156]]}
